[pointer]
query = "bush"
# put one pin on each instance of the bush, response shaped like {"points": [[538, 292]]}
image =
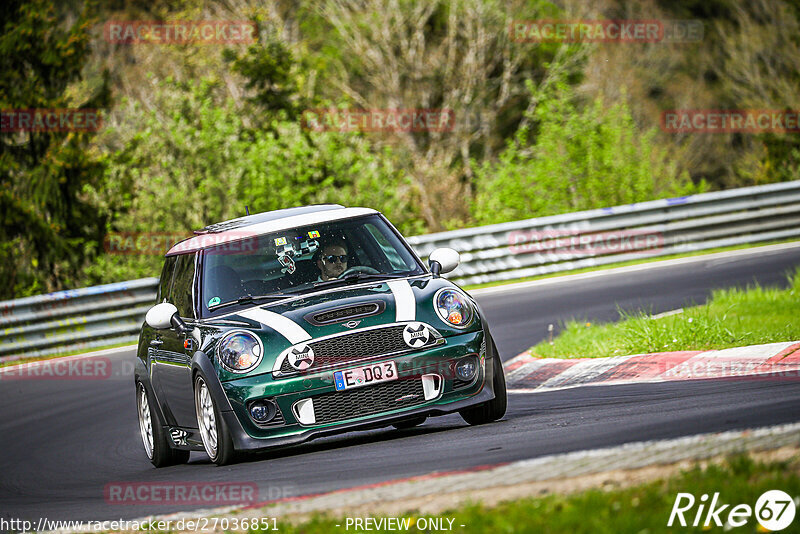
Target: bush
{"points": [[580, 159], [192, 161]]}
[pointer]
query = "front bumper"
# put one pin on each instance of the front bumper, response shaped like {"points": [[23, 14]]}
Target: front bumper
{"points": [[440, 360]]}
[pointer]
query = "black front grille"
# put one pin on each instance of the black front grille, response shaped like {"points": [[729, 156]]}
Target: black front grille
{"points": [[275, 421], [355, 346], [359, 345], [459, 383], [369, 400]]}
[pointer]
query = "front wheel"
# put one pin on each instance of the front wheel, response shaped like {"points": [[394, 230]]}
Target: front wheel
{"points": [[496, 408], [216, 439], [154, 438]]}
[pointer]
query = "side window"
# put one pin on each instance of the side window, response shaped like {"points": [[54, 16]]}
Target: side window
{"points": [[183, 287], [165, 283], [388, 250]]}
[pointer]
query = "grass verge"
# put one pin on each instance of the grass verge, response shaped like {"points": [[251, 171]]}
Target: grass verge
{"points": [[637, 509], [731, 318]]}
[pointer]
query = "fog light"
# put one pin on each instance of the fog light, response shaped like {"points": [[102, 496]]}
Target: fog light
{"points": [[466, 368], [263, 411]]}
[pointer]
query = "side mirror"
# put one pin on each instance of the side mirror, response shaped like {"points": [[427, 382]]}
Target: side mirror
{"points": [[163, 316], [443, 260]]}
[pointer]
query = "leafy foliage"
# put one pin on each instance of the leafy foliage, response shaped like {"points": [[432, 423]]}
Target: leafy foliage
{"points": [[540, 128], [270, 70], [195, 162], [48, 228], [580, 158]]}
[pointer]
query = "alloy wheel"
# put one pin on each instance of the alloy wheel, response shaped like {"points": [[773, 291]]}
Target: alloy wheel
{"points": [[145, 421], [206, 417]]}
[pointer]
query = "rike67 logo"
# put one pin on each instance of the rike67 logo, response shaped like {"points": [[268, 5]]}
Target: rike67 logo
{"points": [[774, 511]]}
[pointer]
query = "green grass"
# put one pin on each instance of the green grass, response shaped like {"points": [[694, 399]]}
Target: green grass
{"points": [[627, 263], [731, 318], [639, 509]]}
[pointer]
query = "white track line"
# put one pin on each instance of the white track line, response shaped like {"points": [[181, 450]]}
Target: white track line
{"points": [[51, 361]]}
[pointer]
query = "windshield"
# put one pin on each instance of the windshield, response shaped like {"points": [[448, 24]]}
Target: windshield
{"points": [[300, 260]]}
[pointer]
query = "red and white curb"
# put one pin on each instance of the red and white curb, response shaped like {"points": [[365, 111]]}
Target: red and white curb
{"points": [[526, 373]]}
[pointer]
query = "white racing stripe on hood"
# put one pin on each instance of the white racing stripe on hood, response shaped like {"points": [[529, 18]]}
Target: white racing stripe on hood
{"points": [[283, 325], [404, 300]]}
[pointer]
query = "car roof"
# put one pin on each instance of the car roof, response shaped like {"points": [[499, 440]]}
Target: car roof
{"points": [[256, 218], [265, 223]]}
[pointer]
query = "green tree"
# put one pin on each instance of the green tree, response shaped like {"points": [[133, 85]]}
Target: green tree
{"points": [[271, 72], [193, 161], [581, 158], [48, 229], [443, 54]]}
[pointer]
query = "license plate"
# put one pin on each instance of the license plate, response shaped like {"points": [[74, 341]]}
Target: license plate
{"points": [[363, 376]]}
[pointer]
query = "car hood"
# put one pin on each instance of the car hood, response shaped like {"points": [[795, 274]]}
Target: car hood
{"points": [[286, 323]]}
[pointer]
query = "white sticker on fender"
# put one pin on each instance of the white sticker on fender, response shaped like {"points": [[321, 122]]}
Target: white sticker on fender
{"points": [[416, 335], [301, 357]]}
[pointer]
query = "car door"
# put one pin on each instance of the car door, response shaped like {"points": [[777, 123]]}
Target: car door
{"points": [[172, 372], [156, 337]]}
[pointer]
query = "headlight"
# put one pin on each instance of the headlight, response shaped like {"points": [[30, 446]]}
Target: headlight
{"points": [[239, 351], [453, 308]]}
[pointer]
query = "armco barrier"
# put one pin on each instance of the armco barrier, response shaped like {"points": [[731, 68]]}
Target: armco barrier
{"points": [[103, 315], [685, 224], [75, 319]]}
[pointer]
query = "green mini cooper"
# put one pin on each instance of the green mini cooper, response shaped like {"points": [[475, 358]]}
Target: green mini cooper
{"points": [[276, 328]]}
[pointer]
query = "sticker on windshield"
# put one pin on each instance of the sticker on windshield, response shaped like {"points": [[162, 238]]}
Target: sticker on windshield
{"points": [[280, 241], [313, 235], [214, 301]]}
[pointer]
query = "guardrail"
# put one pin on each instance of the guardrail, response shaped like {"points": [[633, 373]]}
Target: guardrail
{"points": [[110, 314], [74, 320], [545, 245]]}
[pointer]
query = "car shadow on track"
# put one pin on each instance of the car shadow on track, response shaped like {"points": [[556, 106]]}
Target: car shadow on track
{"points": [[343, 441], [352, 439]]}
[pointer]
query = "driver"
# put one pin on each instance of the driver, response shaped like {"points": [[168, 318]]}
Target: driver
{"points": [[332, 260]]}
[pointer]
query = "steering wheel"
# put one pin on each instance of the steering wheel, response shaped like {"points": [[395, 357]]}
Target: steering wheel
{"points": [[359, 269]]}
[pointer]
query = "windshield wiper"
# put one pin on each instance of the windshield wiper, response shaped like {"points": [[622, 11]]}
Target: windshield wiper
{"points": [[356, 277], [249, 299]]}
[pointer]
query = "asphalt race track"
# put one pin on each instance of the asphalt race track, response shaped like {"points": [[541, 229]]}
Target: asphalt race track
{"points": [[519, 319], [63, 441]]}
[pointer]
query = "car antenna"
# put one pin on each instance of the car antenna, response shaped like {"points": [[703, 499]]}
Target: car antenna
{"points": [[246, 210]]}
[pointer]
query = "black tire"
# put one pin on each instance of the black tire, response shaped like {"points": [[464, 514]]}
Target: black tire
{"points": [[214, 432], [410, 423], [155, 440], [496, 408]]}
